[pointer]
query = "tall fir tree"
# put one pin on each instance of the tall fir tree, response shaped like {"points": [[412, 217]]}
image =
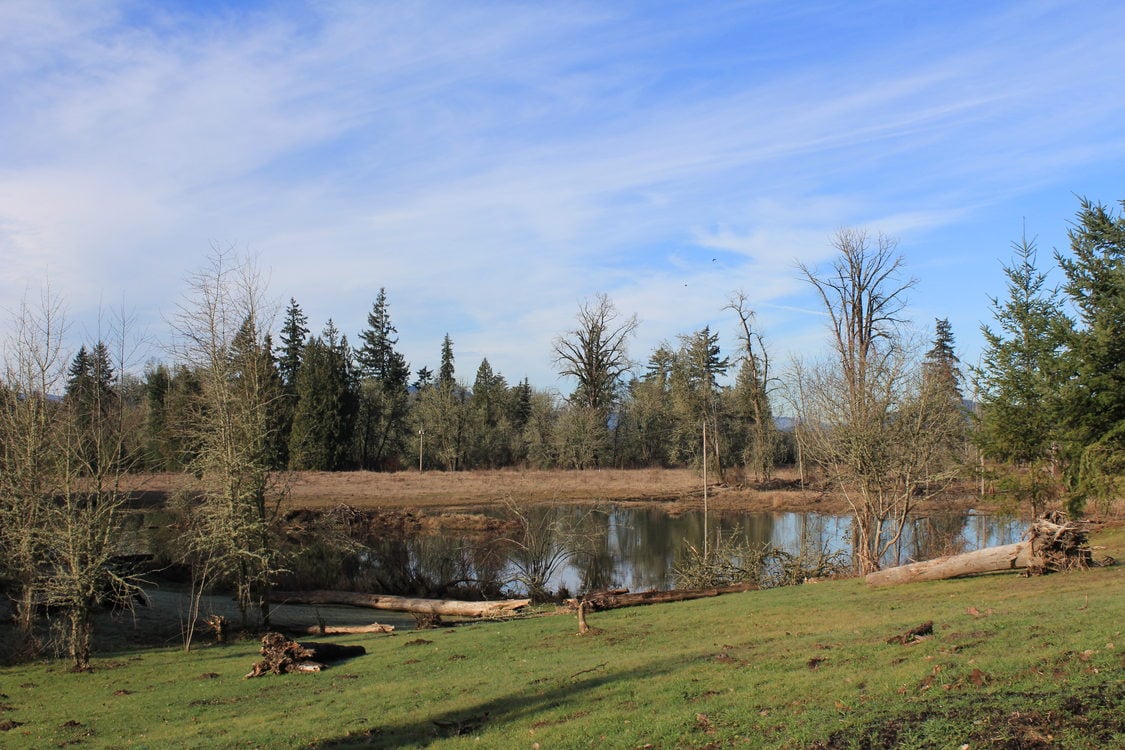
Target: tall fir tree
{"points": [[322, 425], [941, 368], [1019, 378], [384, 399], [294, 334], [91, 396], [491, 438], [1093, 416], [445, 372]]}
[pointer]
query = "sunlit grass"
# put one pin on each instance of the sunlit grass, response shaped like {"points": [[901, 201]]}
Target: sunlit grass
{"points": [[1011, 659]]}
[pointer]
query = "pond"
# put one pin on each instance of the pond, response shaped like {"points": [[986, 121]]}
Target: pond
{"points": [[579, 548]]}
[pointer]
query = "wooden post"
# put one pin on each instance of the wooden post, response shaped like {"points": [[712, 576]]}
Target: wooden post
{"points": [[583, 628]]}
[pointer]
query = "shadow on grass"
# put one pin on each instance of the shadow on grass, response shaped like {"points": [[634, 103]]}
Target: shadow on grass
{"points": [[495, 714]]}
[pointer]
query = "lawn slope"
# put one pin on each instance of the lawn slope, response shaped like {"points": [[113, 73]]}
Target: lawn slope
{"points": [[1013, 663]]}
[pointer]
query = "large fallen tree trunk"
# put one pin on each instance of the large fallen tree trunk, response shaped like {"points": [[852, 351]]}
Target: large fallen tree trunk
{"points": [[1007, 557], [439, 607], [614, 600], [1054, 543]]}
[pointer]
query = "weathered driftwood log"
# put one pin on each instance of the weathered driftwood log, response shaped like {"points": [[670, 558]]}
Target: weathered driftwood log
{"points": [[612, 600], [281, 655], [349, 629], [1007, 557], [439, 607], [1054, 543]]}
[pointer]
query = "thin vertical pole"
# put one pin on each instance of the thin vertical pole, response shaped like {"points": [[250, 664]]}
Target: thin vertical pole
{"points": [[420, 434], [705, 534]]}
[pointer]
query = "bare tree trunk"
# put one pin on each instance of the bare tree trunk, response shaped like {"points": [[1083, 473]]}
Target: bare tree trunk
{"points": [[1006, 557]]}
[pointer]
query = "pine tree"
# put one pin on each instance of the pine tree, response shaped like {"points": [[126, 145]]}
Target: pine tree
{"points": [[423, 378], [384, 402], [376, 358], [695, 394], [445, 373], [322, 425], [1093, 416], [91, 396], [1019, 378], [941, 372], [294, 333], [490, 426]]}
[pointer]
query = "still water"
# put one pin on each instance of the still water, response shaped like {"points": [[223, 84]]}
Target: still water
{"points": [[639, 547]]}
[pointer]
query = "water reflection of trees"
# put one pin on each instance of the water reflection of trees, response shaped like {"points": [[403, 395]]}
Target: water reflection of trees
{"points": [[597, 549]]}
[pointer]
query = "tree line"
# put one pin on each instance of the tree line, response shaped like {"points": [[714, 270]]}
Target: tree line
{"points": [[884, 420], [337, 406]]}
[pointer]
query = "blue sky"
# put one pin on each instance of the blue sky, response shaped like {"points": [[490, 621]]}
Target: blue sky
{"points": [[494, 163]]}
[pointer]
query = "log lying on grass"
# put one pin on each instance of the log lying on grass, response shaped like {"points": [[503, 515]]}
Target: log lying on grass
{"points": [[1007, 557], [281, 655], [449, 607], [1053, 544], [615, 599], [349, 629]]}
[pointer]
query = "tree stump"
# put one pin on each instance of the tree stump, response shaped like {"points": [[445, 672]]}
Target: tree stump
{"points": [[281, 655]]}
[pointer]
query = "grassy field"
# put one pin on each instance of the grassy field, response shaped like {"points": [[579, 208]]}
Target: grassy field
{"points": [[1013, 663], [446, 491]]}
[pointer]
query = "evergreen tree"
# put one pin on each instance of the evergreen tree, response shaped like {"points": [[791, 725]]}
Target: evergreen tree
{"points": [[384, 400], [445, 373], [377, 359], [323, 422], [941, 367], [424, 378], [258, 394], [91, 396], [649, 409], [521, 404], [294, 333], [490, 426], [1019, 378], [158, 383], [1093, 416], [694, 392], [942, 402]]}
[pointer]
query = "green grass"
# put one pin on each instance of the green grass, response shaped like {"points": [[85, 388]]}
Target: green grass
{"points": [[1013, 663]]}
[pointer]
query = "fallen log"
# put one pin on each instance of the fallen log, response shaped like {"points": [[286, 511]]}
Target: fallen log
{"points": [[988, 560], [449, 607], [1054, 544], [612, 600], [349, 629], [281, 655]]}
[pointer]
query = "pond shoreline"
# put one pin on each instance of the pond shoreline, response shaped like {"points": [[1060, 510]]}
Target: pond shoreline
{"points": [[674, 490]]}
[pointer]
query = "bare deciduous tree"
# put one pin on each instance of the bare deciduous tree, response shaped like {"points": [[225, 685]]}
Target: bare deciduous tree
{"points": [[596, 352], [596, 355], [61, 502], [220, 330], [866, 415], [752, 391], [34, 368]]}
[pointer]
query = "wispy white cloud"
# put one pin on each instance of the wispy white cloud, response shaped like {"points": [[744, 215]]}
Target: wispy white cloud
{"points": [[491, 165]]}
